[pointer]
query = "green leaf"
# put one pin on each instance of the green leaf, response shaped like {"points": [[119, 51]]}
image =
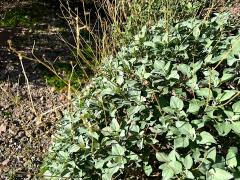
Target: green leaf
{"points": [[114, 125], [64, 154], [174, 75], [149, 44], [162, 157], [135, 109], [205, 138], [99, 163], [208, 58], [107, 91], [196, 32], [133, 157], [199, 123], [147, 169], [93, 134], [196, 155], [223, 128], [196, 66], [232, 60], [226, 76], [235, 45], [211, 154], [146, 75], [173, 155], [189, 175], [110, 172], [186, 128], [181, 142], [194, 106], [188, 162], [167, 171], [176, 166], [176, 103], [185, 69], [74, 148], [167, 67], [235, 118], [236, 127], [134, 128], [159, 65], [236, 107], [226, 95], [120, 79], [204, 92], [192, 83], [107, 131], [118, 150], [231, 159], [219, 174]]}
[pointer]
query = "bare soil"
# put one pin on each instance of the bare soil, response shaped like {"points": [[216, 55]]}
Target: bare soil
{"points": [[29, 108]]}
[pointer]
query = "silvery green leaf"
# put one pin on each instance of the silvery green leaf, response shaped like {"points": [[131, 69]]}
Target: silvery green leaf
{"points": [[64, 154], [192, 83], [134, 128], [211, 154], [189, 175], [208, 58], [162, 157], [231, 60], [227, 76], [176, 166], [74, 148], [235, 46], [219, 174], [118, 150], [223, 128], [236, 107], [205, 92], [149, 44], [120, 80], [115, 125], [176, 103], [185, 69], [147, 169], [167, 67], [186, 129], [236, 127], [194, 106], [159, 64], [107, 91], [226, 95], [167, 171], [196, 32], [188, 162], [206, 138], [108, 174], [174, 75], [196, 66], [231, 158], [181, 142]]}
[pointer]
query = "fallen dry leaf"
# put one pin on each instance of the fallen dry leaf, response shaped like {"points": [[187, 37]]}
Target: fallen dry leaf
{"points": [[3, 128], [5, 162]]}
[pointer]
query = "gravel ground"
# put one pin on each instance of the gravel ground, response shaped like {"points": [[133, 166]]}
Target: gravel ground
{"points": [[25, 134], [28, 111]]}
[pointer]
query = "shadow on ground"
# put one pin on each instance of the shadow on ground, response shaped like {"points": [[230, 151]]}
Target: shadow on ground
{"points": [[25, 127], [25, 28]]}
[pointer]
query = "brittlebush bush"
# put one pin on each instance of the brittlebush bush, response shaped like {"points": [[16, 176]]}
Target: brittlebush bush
{"points": [[167, 106]]}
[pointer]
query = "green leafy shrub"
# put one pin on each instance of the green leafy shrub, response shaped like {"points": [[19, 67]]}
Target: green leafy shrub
{"points": [[138, 13], [167, 106]]}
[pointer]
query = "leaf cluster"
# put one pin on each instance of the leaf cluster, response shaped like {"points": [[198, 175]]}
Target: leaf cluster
{"points": [[167, 106]]}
